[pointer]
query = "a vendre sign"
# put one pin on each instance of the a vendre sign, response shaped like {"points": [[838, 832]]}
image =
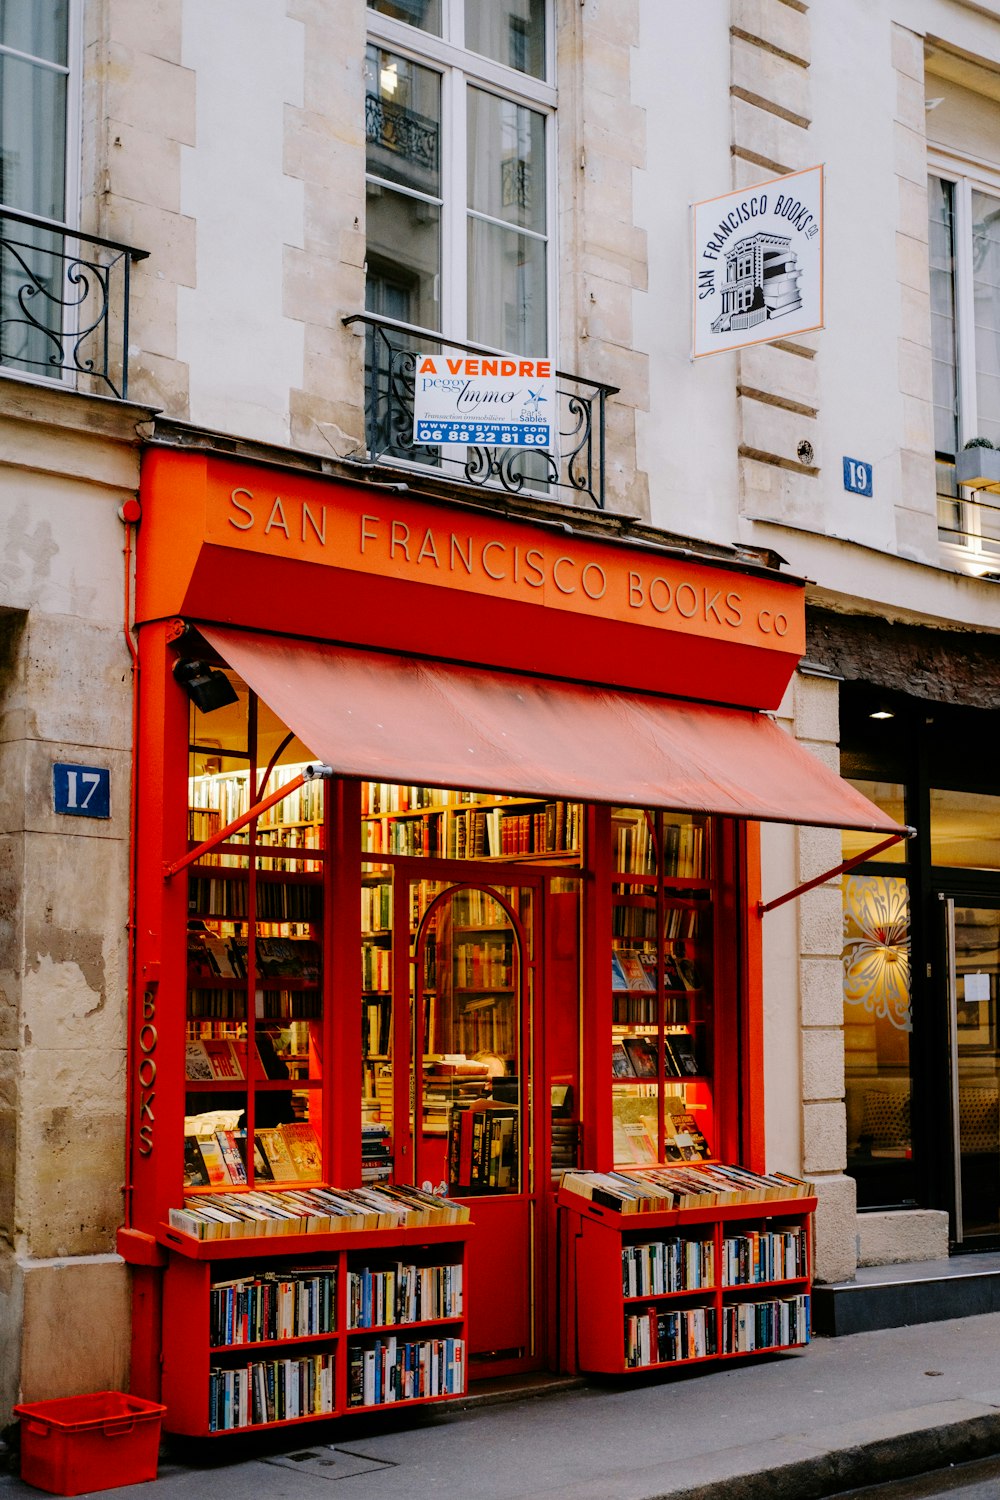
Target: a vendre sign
{"points": [[489, 401]]}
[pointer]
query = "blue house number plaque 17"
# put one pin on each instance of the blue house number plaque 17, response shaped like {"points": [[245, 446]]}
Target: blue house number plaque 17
{"points": [[81, 791]]}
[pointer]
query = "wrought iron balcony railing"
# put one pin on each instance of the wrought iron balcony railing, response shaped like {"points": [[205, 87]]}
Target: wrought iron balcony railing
{"points": [[574, 469], [968, 515], [64, 304]]}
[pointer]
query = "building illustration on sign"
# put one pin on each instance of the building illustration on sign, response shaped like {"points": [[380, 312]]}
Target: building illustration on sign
{"points": [[762, 281]]}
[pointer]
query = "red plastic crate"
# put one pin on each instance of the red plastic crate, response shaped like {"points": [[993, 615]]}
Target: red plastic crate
{"points": [[79, 1443]]}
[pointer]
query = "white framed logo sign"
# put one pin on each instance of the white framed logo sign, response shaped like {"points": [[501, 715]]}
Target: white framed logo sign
{"points": [[758, 263]]}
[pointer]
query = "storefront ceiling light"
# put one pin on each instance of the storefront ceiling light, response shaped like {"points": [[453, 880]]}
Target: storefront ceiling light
{"points": [[881, 712]]}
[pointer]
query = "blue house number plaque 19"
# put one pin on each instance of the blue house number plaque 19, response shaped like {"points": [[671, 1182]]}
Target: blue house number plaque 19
{"points": [[857, 476]]}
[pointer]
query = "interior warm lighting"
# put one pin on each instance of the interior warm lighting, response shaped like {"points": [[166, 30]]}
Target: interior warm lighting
{"points": [[389, 79], [882, 713]]}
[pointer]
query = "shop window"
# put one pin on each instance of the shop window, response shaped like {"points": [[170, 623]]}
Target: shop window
{"points": [[662, 988], [890, 796], [877, 1028], [458, 217], [457, 955], [964, 248], [255, 955], [965, 830], [37, 119]]}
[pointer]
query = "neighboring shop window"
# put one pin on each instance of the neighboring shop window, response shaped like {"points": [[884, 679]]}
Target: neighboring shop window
{"points": [[877, 1027], [36, 118], [965, 830], [890, 797], [964, 235], [457, 217], [878, 1018]]}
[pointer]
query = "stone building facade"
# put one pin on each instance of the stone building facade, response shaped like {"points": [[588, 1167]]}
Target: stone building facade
{"points": [[227, 140]]}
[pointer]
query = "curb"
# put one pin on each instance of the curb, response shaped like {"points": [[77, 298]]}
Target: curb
{"points": [[904, 1456]]}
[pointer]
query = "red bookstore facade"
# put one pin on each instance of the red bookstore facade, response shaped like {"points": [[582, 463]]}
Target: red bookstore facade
{"points": [[526, 884]]}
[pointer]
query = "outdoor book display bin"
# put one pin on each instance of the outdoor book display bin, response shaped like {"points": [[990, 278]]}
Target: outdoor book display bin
{"points": [[75, 1444]]}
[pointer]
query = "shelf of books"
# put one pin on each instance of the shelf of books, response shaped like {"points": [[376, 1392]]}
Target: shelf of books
{"points": [[376, 1024], [417, 820], [301, 1305], [254, 1018], [666, 1266], [662, 1034]]}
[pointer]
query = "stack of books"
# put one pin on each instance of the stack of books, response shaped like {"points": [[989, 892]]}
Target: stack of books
{"points": [[658, 1189], [313, 1211]]}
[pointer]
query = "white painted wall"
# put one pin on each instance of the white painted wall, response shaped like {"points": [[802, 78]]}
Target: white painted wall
{"points": [[244, 355], [687, 440]]}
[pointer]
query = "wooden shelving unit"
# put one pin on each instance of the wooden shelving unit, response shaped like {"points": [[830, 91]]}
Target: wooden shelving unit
{"points": [[425, 1356], [603, 1318]]}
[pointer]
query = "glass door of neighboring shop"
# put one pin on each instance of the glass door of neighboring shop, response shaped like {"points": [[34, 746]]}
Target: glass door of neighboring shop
{"points": [[973, 953]]}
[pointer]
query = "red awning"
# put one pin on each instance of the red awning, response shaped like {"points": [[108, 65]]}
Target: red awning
{"points": [[432, 723]]}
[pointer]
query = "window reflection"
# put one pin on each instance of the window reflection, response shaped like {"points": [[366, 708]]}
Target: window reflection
{"points": [[423, 13], [890, 796], [508, 31], [965, 830]]}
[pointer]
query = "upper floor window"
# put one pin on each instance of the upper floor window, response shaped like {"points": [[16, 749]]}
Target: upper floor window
{"points": [[458, 114], [964, 234], [37, 121], [34, 105]]}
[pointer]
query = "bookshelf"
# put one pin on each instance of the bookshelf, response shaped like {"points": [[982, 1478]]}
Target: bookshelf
{"points": [[412, 820], [376, 1024], [254, 1007], [319, 1326], [664, 1287], [663, 899]]}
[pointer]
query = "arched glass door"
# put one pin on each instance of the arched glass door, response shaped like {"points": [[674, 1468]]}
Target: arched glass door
{"points": [[470, 1098]]}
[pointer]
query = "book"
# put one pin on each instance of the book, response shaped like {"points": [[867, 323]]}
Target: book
{"points": [[304, 1149], [235, 1168], [195, 1170], [683, 1130], [214, 1161], [277, 1155], [224, 1060], [683, 1048], [618, 980], [689, 973], [637, 976], [642, 1055], [197, 1063], [621, 1066]]}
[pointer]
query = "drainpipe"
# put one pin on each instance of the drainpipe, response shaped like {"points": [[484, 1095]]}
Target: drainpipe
{"points": [[129, 513]]}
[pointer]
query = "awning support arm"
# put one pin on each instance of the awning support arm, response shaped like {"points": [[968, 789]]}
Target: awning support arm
{"points": [[311, 773], [841, 869]]}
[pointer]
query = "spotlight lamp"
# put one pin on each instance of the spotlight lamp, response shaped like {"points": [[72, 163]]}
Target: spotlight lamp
{"points": [[206, 686], [881, 711]]}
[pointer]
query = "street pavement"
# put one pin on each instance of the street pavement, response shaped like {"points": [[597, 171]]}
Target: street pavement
{"points": [[844, 1413]]}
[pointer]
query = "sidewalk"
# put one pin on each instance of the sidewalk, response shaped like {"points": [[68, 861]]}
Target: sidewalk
{"points": [[847, 1411]]}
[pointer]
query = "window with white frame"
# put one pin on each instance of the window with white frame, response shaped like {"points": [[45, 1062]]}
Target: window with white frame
{"points": [[964, 235], [38, 39], [458, 123]]}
